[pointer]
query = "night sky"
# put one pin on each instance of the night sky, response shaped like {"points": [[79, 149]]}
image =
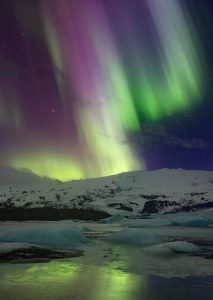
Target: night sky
{"points": [[91, 88]]}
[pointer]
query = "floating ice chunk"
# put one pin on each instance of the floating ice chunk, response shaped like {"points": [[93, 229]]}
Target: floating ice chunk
{"points": [[192, 221], [134, 236], [9, 247], [171, 248], [159, 250], [145, 223], [183, 247], [171, 220], [61, 236]]}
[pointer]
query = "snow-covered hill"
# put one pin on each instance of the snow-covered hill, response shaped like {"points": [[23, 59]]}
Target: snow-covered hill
{"points": [[133, 193]]}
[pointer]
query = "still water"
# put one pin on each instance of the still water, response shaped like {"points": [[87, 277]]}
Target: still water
{"points": [[67, 279], [111, 272]]}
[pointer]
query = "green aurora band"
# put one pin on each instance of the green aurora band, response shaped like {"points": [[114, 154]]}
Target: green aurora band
{"points": [[110, 77]]}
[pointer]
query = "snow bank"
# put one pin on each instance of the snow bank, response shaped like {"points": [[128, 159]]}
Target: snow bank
{"points": [[134, 236], [60, 236], [171, 248]]}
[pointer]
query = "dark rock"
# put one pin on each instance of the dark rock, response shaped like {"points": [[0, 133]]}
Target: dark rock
{"points": [[153, 197], [30, 260], [197, 194], [193, 207], [9, 203], [133, 203], [124, 207], [155, 206], [120, 206], [27, 204], [58, 197]]}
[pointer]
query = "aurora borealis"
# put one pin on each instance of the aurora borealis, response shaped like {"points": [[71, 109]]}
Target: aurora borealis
{"points": [[81, 79]]}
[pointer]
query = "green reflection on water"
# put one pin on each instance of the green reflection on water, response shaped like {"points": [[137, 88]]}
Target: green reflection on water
{"points": [[54, 272], [69, 280], [117, 284]]}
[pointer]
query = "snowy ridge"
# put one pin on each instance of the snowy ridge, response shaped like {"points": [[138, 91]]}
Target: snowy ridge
{"points": [[132, 193]]}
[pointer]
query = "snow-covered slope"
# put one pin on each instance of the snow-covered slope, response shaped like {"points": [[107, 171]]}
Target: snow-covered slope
{"points": [[133, 193]]}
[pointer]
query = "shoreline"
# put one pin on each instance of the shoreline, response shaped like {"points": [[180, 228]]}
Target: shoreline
{"points": [[50, 214]]}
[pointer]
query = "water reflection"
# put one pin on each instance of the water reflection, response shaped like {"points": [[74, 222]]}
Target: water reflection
{"points": [[68, 280], [71, 280]]}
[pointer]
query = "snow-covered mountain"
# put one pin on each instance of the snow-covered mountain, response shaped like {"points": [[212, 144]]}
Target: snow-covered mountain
{"points": [[132, 193]]}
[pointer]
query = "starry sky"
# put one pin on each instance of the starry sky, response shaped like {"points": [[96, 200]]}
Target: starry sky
{"points": [[91, 88]]}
